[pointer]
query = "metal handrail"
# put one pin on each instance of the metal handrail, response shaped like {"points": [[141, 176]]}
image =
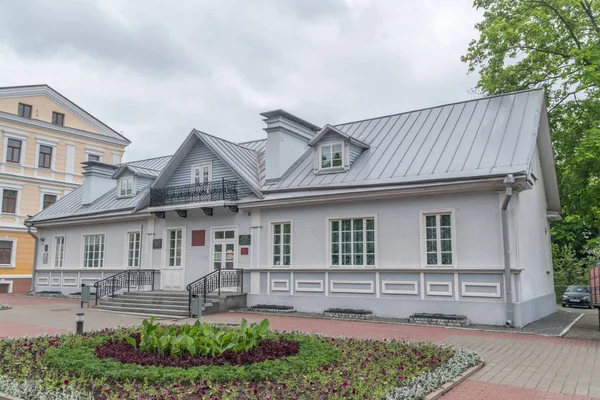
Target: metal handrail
{"points": [[218, 190], [214, 281], [131, 277]]}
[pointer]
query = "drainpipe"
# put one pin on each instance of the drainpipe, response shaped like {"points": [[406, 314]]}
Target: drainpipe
{"points": [[29, 225], [509, 182]]}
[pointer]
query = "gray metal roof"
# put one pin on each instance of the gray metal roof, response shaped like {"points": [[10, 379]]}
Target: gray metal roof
{"points": [[156, 163], [70, 205], [259, 147], [477, 138]]}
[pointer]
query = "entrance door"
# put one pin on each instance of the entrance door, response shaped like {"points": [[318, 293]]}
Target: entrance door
{"points": [[223, 249], [174, 263]]}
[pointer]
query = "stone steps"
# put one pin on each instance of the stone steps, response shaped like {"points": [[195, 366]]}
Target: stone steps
{"points": [[168, 303]]}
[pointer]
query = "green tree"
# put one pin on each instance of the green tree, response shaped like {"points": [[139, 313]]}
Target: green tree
{"points": [[554, 44]]}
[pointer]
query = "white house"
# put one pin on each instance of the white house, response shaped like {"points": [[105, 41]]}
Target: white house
{"points": [[444, 209]]}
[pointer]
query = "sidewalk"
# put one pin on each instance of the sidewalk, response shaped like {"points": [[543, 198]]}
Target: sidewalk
{"points": [[518, 366]]}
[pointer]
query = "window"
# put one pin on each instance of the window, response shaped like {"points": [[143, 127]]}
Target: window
{"points": [[13, 150], [331, 156], [9, 201], [201, 174], [224, 234], [45, 157], [133, 249], [59, 251], [438, 240], [48, 200], [175, 247], [93, 251], [353, 242], [24, 110], [6, 252], [282, 244], [58, 118], [126, 186], [93, 157]]}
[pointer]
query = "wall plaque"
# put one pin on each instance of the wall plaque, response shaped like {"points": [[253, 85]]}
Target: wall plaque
{"points": [[244, 240], [157, 243]]}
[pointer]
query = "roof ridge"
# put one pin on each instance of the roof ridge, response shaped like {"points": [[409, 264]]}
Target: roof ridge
{"points": [[438, 106], [225, 140]]}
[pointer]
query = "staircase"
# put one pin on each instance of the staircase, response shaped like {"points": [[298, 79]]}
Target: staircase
{"points": [[168, 303], [115, 294]]}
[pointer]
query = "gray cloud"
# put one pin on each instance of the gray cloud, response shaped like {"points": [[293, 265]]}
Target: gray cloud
{"points": [[155, 70]]}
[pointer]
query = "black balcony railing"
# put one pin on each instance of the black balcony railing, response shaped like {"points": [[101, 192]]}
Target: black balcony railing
{"points": [[221, 190]]}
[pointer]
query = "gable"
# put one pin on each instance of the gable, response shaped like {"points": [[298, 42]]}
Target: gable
{"points": [[332, 137], [44, 100], [42, 108], [201, 154]]}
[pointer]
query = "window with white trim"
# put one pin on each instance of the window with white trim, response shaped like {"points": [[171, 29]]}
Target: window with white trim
{"points": [[331, 156], [282, 244], [126, 186], [6, 252], [352, 242], [133, 249], [175, 237], [59, 251], [201, 174], [93, 251], [438, 239]]}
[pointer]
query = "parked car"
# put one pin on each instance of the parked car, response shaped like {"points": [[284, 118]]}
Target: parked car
{"points": [[577, 295]]}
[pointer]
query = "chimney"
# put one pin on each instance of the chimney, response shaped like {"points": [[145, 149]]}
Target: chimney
{"points": [[287, 140], [97, 180]]}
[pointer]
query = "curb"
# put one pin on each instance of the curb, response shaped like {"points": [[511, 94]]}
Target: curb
{"points": [[7, 397], [448, 386], [568, 328]]}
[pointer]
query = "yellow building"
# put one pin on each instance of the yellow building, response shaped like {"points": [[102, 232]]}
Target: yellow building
{"points": [[44, 138]]}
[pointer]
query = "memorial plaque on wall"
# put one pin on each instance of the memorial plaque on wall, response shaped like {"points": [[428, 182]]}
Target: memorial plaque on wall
{"points": [[244, 240], [157, 243], [45, 258]]}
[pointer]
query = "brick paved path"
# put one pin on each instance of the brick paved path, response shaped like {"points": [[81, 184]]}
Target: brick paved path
{"points": [[518, 366]]}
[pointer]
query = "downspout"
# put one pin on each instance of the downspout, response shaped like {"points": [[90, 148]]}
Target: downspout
{"points": [[29, 225], [509, 182]]}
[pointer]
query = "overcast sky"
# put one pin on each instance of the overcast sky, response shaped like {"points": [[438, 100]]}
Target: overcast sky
{"points": [[154, 70]]}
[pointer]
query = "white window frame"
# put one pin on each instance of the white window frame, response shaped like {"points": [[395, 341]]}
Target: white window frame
{"points": [[201, 166], [45, 142], [128, 243], [214, 241], [272, 243], [167, 243], [376, 238], [120, 184], [320, 156], [23, 140], [19, 189], [94, 152], [422, 240], [48, 190], [55, 253], [103, 251], [13, 252]]}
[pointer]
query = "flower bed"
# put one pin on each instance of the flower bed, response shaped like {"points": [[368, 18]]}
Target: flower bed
{"points": [[5, 307], [106, 365]]}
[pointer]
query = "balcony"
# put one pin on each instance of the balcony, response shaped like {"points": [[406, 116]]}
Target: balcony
{"points": [[221, 190]]}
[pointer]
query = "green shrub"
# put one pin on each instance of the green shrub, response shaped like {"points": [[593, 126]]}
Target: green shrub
{"points": [[200, 339], [79, 355]]}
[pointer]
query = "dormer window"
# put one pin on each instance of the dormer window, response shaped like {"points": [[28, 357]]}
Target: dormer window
{"points": [[331, 156], [126, 187]]}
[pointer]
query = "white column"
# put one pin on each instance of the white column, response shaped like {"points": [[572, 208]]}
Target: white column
{"points": [[255, 232]]}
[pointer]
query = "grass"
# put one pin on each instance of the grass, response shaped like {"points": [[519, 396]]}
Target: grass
{"points": [[322, 368]]}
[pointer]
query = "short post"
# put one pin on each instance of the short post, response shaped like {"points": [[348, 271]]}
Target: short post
{"points": [[79, 320]]}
